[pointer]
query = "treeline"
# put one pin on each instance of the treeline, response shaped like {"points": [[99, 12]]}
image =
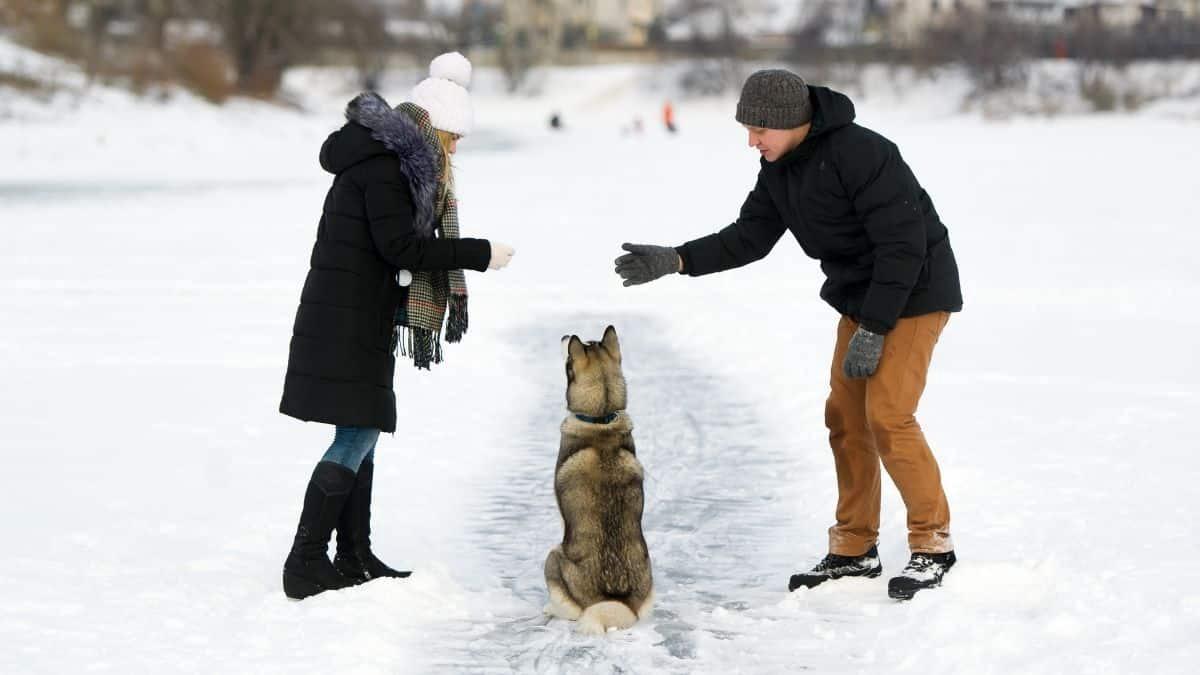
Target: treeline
{"points": [[997, 49], [224, 47], [219, 48]]}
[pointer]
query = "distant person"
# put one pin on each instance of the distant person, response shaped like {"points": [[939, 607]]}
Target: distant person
{"points": [[851, 202], [387, 264], [669, 117], [556, 122], [634, 128]]}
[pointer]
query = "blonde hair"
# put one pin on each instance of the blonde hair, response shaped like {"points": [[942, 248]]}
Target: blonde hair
{"points": [[446, 175]]}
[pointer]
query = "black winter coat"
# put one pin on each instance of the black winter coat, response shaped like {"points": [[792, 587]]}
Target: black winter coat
{"points": [[851, 202], [377, 219]]}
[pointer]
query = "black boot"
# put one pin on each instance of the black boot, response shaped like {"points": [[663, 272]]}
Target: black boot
{"points": [[837, 566], [354, 558], [924, 570], [307, 570]]}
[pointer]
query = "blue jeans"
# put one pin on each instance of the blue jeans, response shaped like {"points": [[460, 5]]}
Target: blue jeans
{"points": [[352, 446]]}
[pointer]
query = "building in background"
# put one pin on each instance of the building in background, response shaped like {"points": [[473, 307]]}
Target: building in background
{"points": [[1127, 13], [573, 24], [613, 23], [909, 19]]}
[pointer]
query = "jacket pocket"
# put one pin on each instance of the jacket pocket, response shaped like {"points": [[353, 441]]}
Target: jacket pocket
{"points": [[929, 268], [925, 276]]}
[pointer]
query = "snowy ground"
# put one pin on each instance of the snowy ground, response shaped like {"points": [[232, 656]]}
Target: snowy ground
{"points": [[153, 259]]}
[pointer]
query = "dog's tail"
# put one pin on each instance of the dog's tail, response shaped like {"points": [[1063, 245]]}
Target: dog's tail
{"points": [[597, 619]]}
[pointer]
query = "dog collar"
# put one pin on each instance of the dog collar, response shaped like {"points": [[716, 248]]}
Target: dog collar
{"points": [[607, 419]]}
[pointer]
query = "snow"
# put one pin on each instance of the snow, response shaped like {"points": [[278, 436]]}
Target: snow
{"points": [[153, 259]]}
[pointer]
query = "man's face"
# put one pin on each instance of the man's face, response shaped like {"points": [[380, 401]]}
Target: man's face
{"points": [[775, 143]]}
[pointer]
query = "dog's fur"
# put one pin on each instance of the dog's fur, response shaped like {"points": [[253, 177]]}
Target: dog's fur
{"points": [[600, 574]]}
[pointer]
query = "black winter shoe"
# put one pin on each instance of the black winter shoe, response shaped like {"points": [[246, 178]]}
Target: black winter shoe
{"points": [[838, 566], [924, 570], [307, 570], [354, 559]]}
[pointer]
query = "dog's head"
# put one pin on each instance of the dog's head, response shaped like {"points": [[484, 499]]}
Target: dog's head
{"points": [[595, 384]]}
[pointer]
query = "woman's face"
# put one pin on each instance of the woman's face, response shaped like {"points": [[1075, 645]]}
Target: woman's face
{"points": [[452, 147]]}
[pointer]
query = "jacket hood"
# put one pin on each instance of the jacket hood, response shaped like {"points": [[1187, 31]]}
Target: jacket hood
{"points": [[374, 128], [832, 110]]}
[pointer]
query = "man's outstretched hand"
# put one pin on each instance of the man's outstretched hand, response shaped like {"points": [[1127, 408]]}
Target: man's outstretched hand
{"points": [[646, 263]]}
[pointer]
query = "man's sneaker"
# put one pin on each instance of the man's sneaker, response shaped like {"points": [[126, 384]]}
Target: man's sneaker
{"points": [[838, 566], [924, 570]]}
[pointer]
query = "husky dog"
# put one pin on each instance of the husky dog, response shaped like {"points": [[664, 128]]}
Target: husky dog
{"points": [[600, 574]]}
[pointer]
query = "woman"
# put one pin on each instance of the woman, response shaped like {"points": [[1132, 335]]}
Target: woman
{"points": [[386, 266]]}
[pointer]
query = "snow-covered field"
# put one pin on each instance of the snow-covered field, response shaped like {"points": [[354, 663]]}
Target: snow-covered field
{"points": [[152, 263]]}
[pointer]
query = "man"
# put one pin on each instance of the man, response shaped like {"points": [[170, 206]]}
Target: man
{"points": [[851, 202]]}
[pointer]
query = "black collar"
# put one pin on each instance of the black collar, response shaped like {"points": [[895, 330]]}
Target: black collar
{"points": [[607, 419]]}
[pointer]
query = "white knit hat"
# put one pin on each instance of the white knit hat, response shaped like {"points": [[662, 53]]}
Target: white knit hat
{"points": [[444, 94]]}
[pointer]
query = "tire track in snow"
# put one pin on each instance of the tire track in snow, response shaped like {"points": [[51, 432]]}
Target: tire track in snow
{"points": [[717, 505]]}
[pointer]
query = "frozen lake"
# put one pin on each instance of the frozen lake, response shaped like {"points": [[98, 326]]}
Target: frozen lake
{"points": [[151, 490]]}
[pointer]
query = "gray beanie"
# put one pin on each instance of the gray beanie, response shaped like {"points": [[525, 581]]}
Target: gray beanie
{"points": [[774, 99]]}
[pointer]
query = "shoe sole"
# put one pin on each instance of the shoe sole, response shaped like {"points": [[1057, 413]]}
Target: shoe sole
{"points": [[908, 593], [869, 575], [299, 588], [352, 573], [403, 574]]}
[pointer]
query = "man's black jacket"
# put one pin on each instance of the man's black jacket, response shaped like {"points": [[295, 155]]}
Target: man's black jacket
{"points": [[851, 202]]}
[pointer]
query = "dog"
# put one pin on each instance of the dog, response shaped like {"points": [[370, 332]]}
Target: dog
{"points": [[600, 574]]}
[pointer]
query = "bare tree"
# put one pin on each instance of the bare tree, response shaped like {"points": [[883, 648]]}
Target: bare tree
{"points": [[808, 37], [530, 35], [714, 42], [995, 50], [361, 29], [264, 37]]}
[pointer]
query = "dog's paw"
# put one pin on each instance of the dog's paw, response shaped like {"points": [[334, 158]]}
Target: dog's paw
{"points": [[587, 626], [562, 607]]}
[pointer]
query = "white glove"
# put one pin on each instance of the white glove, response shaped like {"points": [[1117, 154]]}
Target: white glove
{"points": [[501, 255]]}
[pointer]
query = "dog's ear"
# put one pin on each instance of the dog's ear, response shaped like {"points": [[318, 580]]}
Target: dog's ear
{"points": [[575, 348], [610, 342]]}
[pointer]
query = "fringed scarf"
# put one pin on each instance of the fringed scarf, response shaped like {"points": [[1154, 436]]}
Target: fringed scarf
{"points": [[407, 132], [419, 318]]}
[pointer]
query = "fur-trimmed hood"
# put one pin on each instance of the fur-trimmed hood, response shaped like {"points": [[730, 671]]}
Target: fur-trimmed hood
{"points": [[374, 128]]}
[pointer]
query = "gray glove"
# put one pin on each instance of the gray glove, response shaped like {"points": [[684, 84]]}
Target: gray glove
{"points": [[646, 263], [862, 357]]}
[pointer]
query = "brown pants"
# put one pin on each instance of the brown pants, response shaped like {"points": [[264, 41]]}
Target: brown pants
{"points": [[874, 419]]}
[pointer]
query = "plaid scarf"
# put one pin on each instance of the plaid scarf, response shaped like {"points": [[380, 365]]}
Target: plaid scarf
{"points": [[419, 318]]}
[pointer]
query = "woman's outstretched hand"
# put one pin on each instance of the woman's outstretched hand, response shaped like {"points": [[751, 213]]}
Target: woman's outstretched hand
{"points": [[646, 263], [501, 255]]}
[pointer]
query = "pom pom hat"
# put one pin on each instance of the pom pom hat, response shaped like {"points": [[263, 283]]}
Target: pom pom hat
{"points": [[444, 94]]}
